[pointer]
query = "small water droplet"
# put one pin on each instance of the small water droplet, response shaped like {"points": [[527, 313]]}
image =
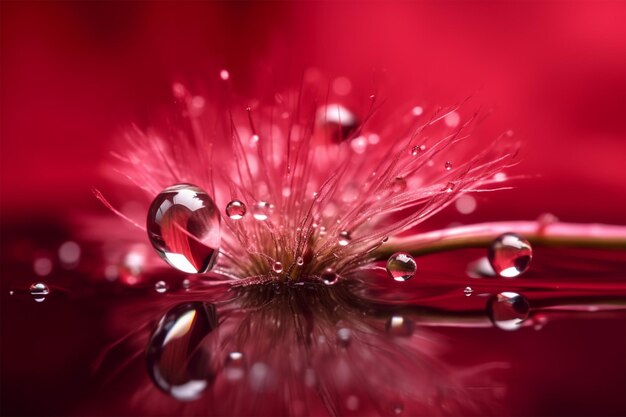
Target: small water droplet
{"points": [[510, 255], [329, 276], [184, 228], [160, 287], [343, 337], [465, 204], [507, 310], [186, 284], [448, 165], [344, 238], [398, 185], [11, 292], [236, 209], [417, 111], [401, 266], [468, 291], [277, 267], [449, 187], [452, 119], [261, 210], [177, 360], [224, 75], [416, 150], [299, 261], [399, 326], [359, 144], [235, 367], [39, 290]]}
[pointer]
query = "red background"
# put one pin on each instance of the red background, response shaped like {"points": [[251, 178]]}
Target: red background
{"points": [[74, 73]]}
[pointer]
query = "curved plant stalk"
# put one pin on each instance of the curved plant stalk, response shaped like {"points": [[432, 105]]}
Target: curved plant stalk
{"points": [[599, 236]]}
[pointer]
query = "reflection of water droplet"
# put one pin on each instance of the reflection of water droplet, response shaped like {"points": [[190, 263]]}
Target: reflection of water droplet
{"points": [[177, 362], [234, 368], [329, 277], [343, 337], [510, 255], [468, 291], [344, 238], [184, 227], [277, 267], [261, 211], [399, 326], [508, 310], [39, 290], [160, 287], [401, 266], [448, 165], [398, 185], [480, 268], [235, 209]]}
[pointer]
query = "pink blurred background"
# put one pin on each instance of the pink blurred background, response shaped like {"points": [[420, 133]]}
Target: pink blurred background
{"points": [[75, 73]]}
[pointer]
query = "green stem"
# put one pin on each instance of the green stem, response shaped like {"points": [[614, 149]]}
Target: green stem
{"points": [[481, 235]]}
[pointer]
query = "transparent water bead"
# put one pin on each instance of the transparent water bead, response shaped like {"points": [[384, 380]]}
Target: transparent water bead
{"points": [[184, 228], [399, 326], [344, 238], [161, 287], [277, 267], [507, 310], [337, 121], [236, 209], [416, 150], [343, 337], [510, 255], [178, 361], [398, 185], [329, 277], [261, 210], [401, 266], [39, 290], [448, 165], [468, 291]]}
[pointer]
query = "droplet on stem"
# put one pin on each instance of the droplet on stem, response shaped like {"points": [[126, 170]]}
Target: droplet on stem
{"points": [[401, 266], [184, 228], [399, 326], [329, 276], [510, 255], [261, 211], [160, 287], [39, 290], [344, 238]]}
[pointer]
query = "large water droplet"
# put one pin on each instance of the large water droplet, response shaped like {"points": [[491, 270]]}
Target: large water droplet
{"points": [[508, 310], [401, 266], [177, 361], [399, 326], [261, 210], [235, 209], [510, 255], [184, 228], [39, 290]]}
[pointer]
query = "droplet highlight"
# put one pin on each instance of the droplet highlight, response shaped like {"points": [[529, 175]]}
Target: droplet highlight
{"points": [[184, 228], [329, 276], [344, 238], [401, 266], [39, 291], [399, 326], [160, 287], [510, 255]]}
